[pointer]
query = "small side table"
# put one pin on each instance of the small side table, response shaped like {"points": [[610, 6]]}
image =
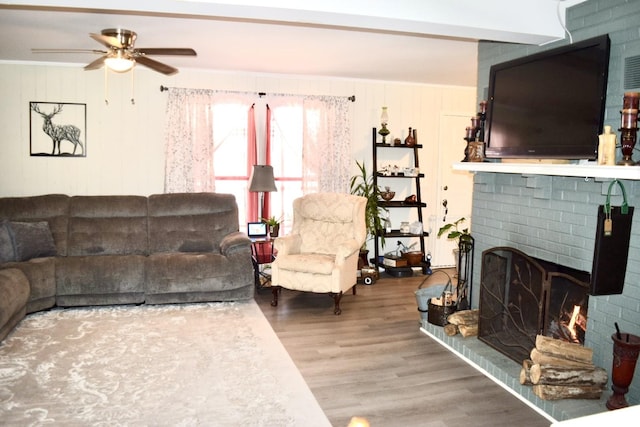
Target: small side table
{"points": [[262, 253]]}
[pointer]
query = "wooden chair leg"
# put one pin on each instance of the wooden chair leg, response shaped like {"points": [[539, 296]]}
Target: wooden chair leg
{"points": [[274, 292], [336, 300]]}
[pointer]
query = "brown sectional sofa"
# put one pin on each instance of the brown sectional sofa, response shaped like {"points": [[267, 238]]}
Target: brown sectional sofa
{"points": [[57, 250]]}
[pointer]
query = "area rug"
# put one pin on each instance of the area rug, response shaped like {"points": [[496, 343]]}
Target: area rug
{"points": [[167, 365]]}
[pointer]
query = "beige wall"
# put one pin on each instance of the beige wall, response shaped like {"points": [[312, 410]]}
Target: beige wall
{"points": [[125, 141]]}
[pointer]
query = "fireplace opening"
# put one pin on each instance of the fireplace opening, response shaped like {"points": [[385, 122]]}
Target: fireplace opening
{"points": [[522, 297]]}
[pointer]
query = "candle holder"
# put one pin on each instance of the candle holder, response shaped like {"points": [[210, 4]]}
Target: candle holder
{"points": [[628, 127], [628, 142], [474, 135]]}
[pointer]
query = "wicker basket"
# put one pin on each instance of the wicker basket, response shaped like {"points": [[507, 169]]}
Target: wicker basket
{"points": [[424, 295], [438, 314]]}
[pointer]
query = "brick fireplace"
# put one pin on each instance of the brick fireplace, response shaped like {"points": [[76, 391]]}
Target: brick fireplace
{"points": [[553, 219], [522, 297]]}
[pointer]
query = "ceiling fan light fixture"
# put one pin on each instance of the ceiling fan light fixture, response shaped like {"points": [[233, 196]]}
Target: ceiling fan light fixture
{"points": [[119, 63]]}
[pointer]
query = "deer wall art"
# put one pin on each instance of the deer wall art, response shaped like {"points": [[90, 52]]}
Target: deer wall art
{"points": [[59, 132]]}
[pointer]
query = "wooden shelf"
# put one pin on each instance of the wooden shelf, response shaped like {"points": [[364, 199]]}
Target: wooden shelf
{"points": [[577, 170], [401, 204]]}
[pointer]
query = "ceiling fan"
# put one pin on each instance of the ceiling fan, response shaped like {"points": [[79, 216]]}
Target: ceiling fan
{"points": [[121, 55]]}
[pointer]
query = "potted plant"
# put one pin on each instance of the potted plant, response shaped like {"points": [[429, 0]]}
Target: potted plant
{"points": [[363, 185], [463, 236], [273, 224]]}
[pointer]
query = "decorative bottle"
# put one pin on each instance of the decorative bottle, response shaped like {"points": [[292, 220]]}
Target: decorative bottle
{"points": [[409, 139], [607, 147]]}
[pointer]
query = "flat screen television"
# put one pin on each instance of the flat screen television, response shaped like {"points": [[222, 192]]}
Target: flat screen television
{"points": [[549, 105]]}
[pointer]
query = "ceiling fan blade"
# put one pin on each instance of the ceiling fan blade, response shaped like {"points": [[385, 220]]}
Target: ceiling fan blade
{"points": [[98, 63], [68, 51], [167, 51], [108, 41], [157, 66]]}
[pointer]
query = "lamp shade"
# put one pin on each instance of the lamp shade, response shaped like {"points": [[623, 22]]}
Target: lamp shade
{"points": [[120, 62], [262, 178]]}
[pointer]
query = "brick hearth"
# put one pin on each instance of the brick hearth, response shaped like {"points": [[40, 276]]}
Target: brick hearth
{"points": [[506, 373]]}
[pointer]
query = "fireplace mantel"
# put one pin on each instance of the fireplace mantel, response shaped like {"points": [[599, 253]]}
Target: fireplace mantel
{"points": [[577, 170]]}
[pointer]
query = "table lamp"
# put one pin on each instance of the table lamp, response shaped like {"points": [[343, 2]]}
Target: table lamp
{"points": [[262, 181]]}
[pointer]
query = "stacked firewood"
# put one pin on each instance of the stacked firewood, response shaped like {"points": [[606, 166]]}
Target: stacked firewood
{"points": [[562, 370], [464, 322]]}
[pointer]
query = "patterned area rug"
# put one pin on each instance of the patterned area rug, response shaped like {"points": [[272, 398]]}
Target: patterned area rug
{"points": [[171, 365]]}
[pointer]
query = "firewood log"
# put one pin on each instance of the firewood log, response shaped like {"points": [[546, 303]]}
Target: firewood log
{"points": [[464, 317], [564, 349], [450, 329], [556, 392], [468, 330], [557, 375], [525, 374], [548, 359]]}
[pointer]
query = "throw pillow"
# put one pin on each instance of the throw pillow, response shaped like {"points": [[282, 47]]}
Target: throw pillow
{"points": [[31, 240], [7, 253]]}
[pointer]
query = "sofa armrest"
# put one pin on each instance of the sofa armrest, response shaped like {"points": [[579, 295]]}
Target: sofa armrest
{"points": [[287, 245], [235, 242], [347, 249]]}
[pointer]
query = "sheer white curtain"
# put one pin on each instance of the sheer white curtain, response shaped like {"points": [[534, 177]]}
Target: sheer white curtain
{"points": [[323, 128], [198, 123], [326, 155], [189, 141], [318, 126]]}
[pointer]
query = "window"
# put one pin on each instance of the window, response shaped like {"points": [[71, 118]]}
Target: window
{"points": [[230, 154], [286, 159]]}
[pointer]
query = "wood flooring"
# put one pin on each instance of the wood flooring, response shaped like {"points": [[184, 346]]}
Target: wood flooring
{"points": [[372, 361]]}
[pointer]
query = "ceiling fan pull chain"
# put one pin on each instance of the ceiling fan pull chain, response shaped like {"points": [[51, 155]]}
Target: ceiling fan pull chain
{"points": [[133, 101], [106, 86]]}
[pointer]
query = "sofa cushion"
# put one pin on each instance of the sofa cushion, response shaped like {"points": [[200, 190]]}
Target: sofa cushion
{"points": [[7, 253], [53, 208], [107, 225], [31, 240], [195, 246], [41, 275], [14, 293], [100, 280], [183, 222]]}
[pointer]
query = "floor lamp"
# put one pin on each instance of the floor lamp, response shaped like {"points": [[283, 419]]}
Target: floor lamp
{"points": [[262, 181]]}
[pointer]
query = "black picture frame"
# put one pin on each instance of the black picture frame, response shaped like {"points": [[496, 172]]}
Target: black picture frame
{"points": [[57, 129]]}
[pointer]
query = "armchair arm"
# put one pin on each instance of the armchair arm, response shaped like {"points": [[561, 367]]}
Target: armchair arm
{"points": [[290, 244], [234, 243], [347, 249]]}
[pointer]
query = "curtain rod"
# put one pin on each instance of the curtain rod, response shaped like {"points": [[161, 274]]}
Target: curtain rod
{"points": [[351, 98]]}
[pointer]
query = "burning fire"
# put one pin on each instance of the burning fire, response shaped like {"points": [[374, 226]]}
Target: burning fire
{"points": [[572, 322]]}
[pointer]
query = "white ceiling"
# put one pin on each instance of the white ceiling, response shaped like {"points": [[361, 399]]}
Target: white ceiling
{"points": [[427, 41]]}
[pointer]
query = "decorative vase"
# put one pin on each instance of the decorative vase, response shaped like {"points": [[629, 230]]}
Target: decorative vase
{"points": [[409, 140], [626, 348], [274, 230]]}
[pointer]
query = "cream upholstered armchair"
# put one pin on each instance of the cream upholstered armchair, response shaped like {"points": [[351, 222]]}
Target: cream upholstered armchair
{"points": [[321, 253]]}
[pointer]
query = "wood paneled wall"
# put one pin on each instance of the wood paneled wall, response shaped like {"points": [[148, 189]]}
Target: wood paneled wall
{"points": [[125, 141]]}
